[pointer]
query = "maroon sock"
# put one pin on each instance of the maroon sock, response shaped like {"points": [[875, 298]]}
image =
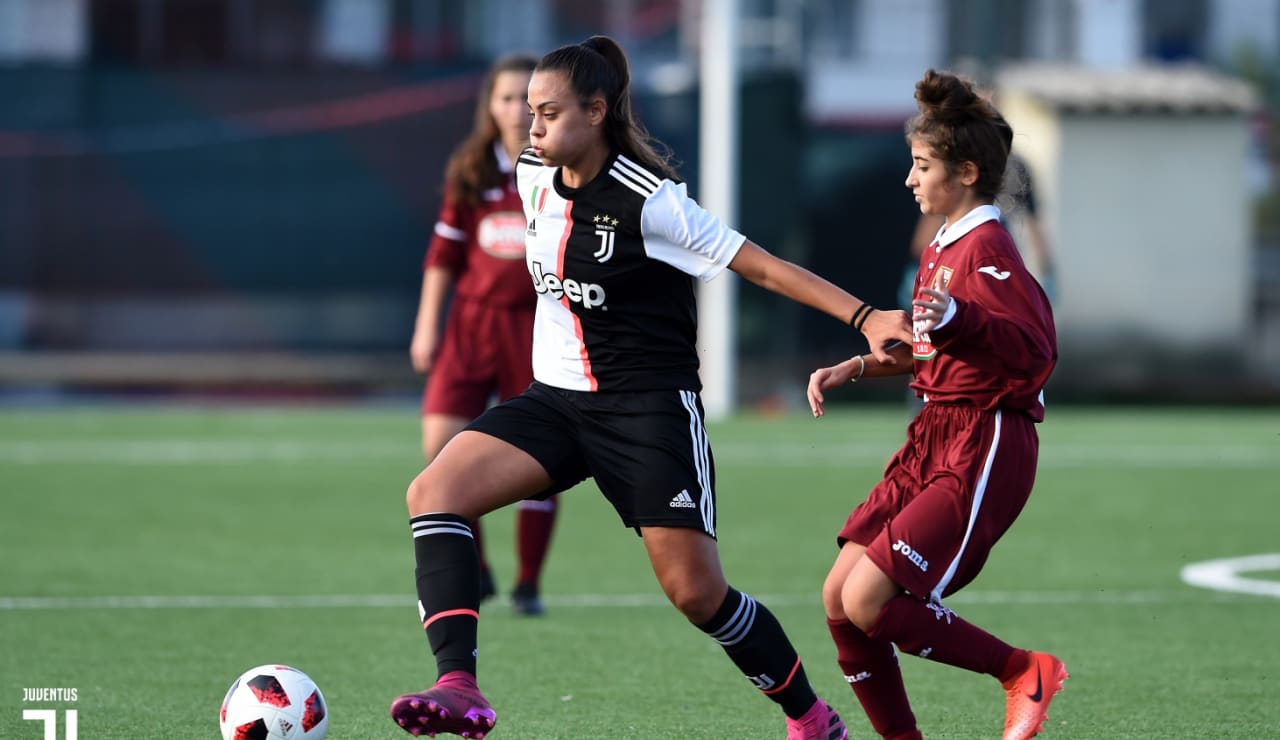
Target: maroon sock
{"points": [[933, 631], [535, 521], [1019, 661], [871, 668]]}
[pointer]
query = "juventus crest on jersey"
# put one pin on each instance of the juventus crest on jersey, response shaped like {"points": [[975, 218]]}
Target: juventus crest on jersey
{"points": [[613, 263]]}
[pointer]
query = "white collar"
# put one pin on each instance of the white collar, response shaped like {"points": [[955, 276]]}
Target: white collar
{"points": [[973, 219]]}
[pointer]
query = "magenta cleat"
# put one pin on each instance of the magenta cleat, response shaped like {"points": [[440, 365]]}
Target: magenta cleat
{"points": [[454, 706], [819, 723]]}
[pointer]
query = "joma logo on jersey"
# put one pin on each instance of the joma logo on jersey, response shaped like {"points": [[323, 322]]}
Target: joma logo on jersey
{"points": [[590, 295], [911, 555]]}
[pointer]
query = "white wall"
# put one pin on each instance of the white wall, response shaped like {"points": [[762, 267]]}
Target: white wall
{"points": [[510, 27], [43, 30], [1237, 23], [896, 41], [1150, 220], [1108, 32], [355, 30]]}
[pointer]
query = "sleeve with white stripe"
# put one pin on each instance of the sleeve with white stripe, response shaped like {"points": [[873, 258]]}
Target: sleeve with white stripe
{"points": [[685, 235]]}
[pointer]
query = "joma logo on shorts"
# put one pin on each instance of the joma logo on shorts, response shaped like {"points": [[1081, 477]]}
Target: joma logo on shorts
{"points": [[911, 555], [590, 295]]}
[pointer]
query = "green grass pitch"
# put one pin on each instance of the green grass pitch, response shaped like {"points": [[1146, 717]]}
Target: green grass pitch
{"points": [[151, 553]]}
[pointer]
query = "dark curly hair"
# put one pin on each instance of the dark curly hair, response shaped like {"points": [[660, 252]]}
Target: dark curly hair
{"points": [[960, 125]]}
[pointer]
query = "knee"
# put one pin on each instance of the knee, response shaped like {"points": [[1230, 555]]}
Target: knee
{"points": [[695, 598], [861, 608], [832, 602], [698, 605], [418, 496]]}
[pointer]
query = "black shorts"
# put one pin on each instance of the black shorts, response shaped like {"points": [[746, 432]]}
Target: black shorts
{"points": [[647, 451]]}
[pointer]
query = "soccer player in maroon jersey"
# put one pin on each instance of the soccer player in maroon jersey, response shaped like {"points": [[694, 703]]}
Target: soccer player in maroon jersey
{"points": [[478, 252], [984, 346], [614, 245]]}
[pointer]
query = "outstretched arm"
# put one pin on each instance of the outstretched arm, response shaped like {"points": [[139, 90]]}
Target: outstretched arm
{"points": [[854, 369], [787, 279]]}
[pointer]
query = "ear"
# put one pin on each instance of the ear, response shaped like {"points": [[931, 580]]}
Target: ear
{"points": [[967, 173], [597, 109]]}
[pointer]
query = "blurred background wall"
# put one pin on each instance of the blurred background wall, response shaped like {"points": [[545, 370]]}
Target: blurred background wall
{"points": [[237, 193]]}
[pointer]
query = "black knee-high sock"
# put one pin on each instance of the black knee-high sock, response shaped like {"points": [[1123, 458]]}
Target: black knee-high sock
{"points": [[448, 578], [755, 642]]}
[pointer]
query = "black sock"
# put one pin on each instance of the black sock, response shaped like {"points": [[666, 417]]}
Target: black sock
{"points": [[448, 577], [755, 642]]}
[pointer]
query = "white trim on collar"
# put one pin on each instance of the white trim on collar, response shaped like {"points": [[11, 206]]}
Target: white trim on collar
{"points": [[949, 234]]}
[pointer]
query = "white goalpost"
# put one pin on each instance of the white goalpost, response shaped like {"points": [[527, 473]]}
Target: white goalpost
{"points": [[718, 193]]}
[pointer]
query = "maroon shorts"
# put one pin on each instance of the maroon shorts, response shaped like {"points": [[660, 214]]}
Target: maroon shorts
{"points": [[485, 351], [947, 497]]}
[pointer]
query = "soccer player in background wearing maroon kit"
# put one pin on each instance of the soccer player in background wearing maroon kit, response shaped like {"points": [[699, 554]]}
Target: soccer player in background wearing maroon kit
{"points": [[478, 252], [985, 345], [614, 247]]}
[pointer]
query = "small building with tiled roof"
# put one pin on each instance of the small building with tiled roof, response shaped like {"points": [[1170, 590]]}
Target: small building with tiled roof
{"points": [[1141, 182]]}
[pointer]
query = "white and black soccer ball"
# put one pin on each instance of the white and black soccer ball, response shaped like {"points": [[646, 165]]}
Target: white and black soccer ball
{"points": [[274, 702]]}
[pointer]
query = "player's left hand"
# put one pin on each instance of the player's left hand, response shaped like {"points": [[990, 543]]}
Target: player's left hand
{"points": [[931, 310], [819, 381]]}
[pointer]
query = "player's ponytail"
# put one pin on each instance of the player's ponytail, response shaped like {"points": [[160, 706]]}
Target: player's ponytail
{"points": [[599, 66], [960, 125]]}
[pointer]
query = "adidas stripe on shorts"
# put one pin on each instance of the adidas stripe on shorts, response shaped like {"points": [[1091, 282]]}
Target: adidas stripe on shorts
{"points": [[647, 450]]}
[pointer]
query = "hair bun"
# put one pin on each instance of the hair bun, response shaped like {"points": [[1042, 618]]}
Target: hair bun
{"points": [[948, 98]]}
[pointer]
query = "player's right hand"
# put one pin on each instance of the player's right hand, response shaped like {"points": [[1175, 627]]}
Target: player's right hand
{"points": [[883, 328], [422, 352]]}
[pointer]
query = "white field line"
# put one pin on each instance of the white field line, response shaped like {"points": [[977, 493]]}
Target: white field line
{"points": [[144, 452], [580, 601], [1225, 575]]}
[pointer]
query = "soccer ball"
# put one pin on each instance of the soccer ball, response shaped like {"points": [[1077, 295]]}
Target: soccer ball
{"points": [[274, 702]]}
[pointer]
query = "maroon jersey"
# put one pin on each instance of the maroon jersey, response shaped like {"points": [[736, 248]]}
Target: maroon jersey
{"points": [[999, 347], [483, 246]]}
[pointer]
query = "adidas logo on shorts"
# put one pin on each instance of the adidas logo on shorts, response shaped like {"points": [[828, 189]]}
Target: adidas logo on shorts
{"points": [[682, 500]]}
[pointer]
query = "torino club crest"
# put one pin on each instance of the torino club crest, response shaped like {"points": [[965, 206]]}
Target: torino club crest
{"points": [[921, 345]]}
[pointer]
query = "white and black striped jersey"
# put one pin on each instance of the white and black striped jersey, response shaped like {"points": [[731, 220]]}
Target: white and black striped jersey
{"points": [[613, 263]]}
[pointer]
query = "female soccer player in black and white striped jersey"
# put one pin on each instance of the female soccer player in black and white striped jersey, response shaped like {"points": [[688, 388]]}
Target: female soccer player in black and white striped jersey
{"points": [[614, 244]]}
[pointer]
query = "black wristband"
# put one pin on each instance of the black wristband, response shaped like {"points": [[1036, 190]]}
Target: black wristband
{"points": [[860, 316]]}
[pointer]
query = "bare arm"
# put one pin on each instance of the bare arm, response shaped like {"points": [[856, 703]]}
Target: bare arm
{"points": [[854, 369], [787, 279], [436, 282]]}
